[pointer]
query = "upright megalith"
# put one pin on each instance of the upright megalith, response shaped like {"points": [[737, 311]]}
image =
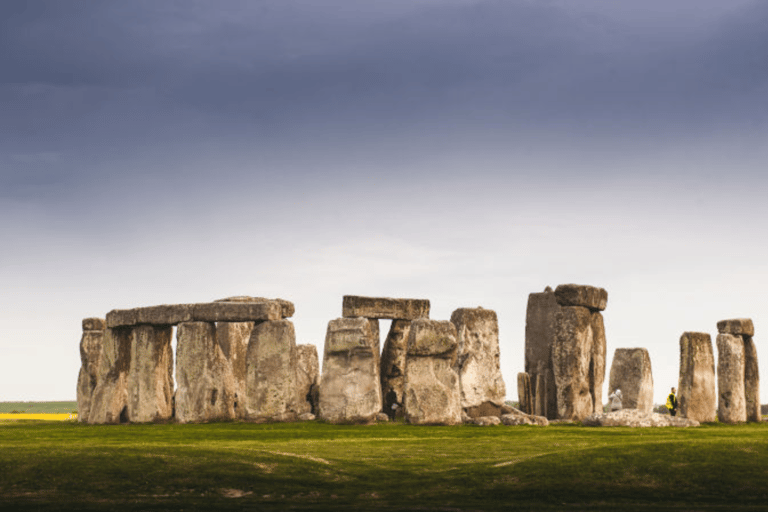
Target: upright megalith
{"points": [[393, 357], [307, 379], [477, 361], [696, 387], [232, 338], [91, 343], [271, 393], [738, 377], [525, 399], [432, 392], [205, 382], [350, 390], [631, 373], [150, 379], [109, 402], [565, 350]]}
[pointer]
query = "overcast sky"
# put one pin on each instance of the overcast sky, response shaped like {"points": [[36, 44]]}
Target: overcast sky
{"points": [[465, 151]]}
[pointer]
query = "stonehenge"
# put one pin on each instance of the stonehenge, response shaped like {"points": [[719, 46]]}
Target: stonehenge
{"points": [[738, 379], [696, 386], [91, 344], [631, 373]]}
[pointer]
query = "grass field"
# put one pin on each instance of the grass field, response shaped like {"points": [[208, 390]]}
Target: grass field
{"points": [[313, 466], [38, 407]]}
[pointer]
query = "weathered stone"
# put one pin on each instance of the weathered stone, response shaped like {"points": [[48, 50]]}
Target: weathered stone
{"points": [[307, 378], [486, 421], [477, 360], [91, 344], [636, 418], [233, 338], [166, 314], [205, 382], [382, 417], [524, 392], [732, 407], [696, 389], [236, 311], [350, 389], [751, 380], [376, 334], [287, 308], [393, 367], [432, 338], [94, 324], [432, 393], [742, 326], [306, 416], [581, 295], [572, 362], [631, 372], [384, 307], [517, 417], [539, 336], [271, 372], [150, 380], [109, 402], [484, 409], [121, 318], [597, 365]]}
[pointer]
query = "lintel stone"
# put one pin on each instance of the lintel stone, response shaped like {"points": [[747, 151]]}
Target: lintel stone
{"points": [[736, 326], [287, 307], [94, 324], [384, 307], [164, 314], [586, 296]]}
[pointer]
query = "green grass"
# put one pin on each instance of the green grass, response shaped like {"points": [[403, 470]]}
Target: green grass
{"points": [[310, 466], [38, 407]]}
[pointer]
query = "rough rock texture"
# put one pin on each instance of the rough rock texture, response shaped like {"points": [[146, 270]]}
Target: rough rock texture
{"points": [[306, 416], [742, 326], [751, 380], [233, 338], [307, 378], [382, 417], [696, 388], [286, 307], [271, 372], [350, 388], [205, 383], [109, 402], [539, 336], [91, 344], [206, 312], [164, 314], [578, 376], [150, 379], [384, 307], [598, 364], [732, 407], [517, 417], [393, 367], [582, 295], [637, 418], [631, 372], [524, 392], [477, 361], [431, 388], [485, 421]]}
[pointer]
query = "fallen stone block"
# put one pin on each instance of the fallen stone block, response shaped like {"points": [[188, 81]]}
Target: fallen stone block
{"points": [[696, 394], [432, 338], [636, 418], [582, 295], [732, 406], [384, 307], [742, 326], [631, 372], [306, 416], [486, 421], [518, 417], [150, 379], [233, 338]]}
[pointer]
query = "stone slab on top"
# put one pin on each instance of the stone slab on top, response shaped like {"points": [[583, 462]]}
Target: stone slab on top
{"points": [[287, 307], [93, 324], [586, 296], [172, 314], [384, 307], [737, 326]]}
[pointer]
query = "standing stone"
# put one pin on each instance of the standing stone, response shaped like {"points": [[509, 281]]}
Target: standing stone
{"points": [[696, 387], [109, 403], [350, 389], [271, 372], [307, 378], [597, 365], [91, 344], [539, 336], [524, 393], [477, 362], [572, 363], [751, 380], [432, 388], [233, 338], [206, 386], [730, 379], [393, 367], [150, 380], [631, 372]]}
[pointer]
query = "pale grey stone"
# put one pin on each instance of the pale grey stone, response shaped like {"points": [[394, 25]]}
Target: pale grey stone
{"points": [[393, 367], [486, 421], [571, 360], [236, 311], [94, 324], [597, 366], [91, 344], [287, 308], [539, 337], [271, 372], [150, 379], [233, 338], [751, 380], [306, 416], [518, 417], [384, 307], [631, 372], [166, 314], [732, 406], [121, 318], [581, 295], [382, 417], [477, 360], [109, 401], [432, 338], [743, 326], [636, 418], [307, 378], [696, 388]]}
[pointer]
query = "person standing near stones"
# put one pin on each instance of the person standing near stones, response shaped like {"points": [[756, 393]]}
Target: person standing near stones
{"points": [[672, 402], [615, 399]]}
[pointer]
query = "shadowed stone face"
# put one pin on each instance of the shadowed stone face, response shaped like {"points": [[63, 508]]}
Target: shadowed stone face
{"points": [[738, 326], [751, 380], [393, 366], [589, 297], [233, 338], [631, 372], [730, 379], [307, 378], [524, 393], [696, 387], [150, 381], [91, 344], [539, 336]]}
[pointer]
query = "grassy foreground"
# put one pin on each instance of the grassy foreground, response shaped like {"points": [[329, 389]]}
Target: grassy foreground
{"points": [[311, 466]]}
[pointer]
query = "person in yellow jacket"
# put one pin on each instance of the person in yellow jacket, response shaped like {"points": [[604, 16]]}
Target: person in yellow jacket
{"points": [[672, 402]]}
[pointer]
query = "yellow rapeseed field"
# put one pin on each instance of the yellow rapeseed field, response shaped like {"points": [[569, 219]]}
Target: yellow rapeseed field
{"points": [[51, 417]]}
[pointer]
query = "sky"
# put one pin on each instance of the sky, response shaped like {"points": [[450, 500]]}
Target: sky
{"points": [[469, 152]]}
